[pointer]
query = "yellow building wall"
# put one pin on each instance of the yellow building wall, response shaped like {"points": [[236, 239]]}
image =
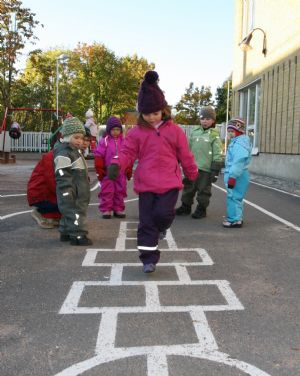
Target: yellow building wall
{"points": [[279, 71]]}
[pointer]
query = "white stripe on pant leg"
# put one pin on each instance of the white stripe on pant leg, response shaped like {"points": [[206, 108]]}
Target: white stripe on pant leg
{"points": [[143, 248]]}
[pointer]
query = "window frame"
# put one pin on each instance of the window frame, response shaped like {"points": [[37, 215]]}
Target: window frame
{"points": [[245, 112], [248, 21]]}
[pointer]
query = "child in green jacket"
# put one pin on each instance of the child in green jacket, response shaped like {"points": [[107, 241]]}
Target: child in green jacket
{"points": [[206, 146]]}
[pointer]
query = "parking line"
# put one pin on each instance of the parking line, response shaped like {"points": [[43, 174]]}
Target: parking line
{"points": [[275, 189], [270, 214]]}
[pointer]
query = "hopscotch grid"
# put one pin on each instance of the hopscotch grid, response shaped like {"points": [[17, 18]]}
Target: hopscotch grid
{"points": [[91, 255], [183, 274], [157, 364], [70, 306]]}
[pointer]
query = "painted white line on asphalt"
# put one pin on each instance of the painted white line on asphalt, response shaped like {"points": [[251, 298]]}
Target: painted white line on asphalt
{"points": [[97, 185], [91, 254], [107, 332], [138, 263], [203, 331], [71, 303], [121, 240], [16, 195], [14, 214], [275, 189], [28, 211], [170, 240], [182, 273], [193, 351], [157, 363], [152, 297], [130, 200], [270, 214], [116, 273]]}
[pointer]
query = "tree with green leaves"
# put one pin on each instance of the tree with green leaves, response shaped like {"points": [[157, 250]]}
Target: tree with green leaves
{"points": [[17, 25], [109, 84], [221, 100], [188, 108], [92, 77]]}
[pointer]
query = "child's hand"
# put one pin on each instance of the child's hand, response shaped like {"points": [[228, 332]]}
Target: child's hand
{"points": [[185, 181], [231, 183], [99, 167], [113, 171], [100, 176], [214, 176], [129, 173]]}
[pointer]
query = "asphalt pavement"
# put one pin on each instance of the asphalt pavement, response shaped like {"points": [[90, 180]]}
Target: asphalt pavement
{"points": [[222, 301]]}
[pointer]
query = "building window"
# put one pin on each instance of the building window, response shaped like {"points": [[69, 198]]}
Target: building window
{"points": [[249, 110], [248, 16]]}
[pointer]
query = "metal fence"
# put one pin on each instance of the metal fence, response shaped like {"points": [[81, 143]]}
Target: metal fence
{"points": [[39, 141], [31, 141]]}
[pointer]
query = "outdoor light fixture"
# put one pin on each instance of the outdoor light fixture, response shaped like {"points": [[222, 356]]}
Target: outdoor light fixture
{"points": [[245, 43]]}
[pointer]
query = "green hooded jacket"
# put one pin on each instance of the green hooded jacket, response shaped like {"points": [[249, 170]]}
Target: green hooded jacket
{"points": [[206, 146]]}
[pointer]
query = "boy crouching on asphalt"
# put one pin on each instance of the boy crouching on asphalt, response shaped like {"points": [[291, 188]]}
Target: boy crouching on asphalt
{"points": [[72, 183]]}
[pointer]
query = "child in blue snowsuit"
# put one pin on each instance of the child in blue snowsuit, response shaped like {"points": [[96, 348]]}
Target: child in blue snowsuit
{"points": [[236, 175]]}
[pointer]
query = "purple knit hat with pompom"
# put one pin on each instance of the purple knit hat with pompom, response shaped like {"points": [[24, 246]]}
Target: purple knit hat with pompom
{"points": [[113, 122], [151, 98]]}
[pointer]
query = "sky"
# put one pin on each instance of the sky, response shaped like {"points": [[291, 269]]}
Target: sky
{"points": [[188, 41]]}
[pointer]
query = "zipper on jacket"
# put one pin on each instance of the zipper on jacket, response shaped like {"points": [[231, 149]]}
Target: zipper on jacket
{"points": [[116, 144]]}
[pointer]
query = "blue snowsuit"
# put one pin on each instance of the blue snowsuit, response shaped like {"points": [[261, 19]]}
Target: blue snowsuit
{"points": [[236, 166]]}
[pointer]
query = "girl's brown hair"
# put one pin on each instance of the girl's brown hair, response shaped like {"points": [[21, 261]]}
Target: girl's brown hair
{"points": [[166, 115]]}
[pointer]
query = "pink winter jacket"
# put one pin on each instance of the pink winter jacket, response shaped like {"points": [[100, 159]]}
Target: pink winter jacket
{"points": [[159, 152], [108, 147]]}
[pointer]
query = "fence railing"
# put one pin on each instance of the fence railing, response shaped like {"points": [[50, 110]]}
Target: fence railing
{"points": [[31, 141], [39, 141]]}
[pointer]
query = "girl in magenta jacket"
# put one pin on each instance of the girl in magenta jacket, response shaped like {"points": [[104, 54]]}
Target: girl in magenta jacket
{"points": [[159, 145], [113, 192]]}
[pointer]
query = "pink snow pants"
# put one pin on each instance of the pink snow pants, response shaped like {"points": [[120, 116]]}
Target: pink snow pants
{"points": [[112, 194]]}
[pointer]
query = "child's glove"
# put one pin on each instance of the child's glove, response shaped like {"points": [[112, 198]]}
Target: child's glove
{"points": [[113, 171], [215, 170], [185, 181], [231, 183], [214, 176], [99, 167], [129, 173]]}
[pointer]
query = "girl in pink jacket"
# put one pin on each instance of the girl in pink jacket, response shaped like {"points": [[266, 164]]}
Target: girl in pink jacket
{"points": [[113, 192], [159, 145]]}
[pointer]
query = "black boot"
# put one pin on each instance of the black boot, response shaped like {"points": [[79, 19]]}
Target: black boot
{"points": [[80, 240], [184, 209], [199, 212], [64, 237]]}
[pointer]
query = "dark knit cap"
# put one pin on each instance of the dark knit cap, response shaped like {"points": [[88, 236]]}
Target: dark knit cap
{"points": [[208, 112], [151, 98], [72, 125], [238, 124], [113, 122]]}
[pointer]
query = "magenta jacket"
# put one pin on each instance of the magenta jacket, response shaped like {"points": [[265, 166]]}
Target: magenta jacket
{"points": [[108, 147], [159, 152]]}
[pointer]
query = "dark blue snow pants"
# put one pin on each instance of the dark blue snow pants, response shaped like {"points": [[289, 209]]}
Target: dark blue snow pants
{"points": [[156, 214]]}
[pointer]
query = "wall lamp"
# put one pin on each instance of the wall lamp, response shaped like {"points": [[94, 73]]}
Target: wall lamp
{"points": [[245, 43]]}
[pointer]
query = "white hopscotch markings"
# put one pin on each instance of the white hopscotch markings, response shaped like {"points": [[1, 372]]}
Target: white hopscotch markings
{"points": [[157, 356]]}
